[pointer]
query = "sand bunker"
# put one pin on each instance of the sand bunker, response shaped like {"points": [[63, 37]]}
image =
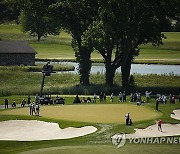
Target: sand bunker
{"points": [[152, 131], [176, 114], [33, 130]]}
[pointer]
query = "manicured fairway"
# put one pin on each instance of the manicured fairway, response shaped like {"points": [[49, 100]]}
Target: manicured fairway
{"points": [[107, 149], [59, 47], [100, 113]]}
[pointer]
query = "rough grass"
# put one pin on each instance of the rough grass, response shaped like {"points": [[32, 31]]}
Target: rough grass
{"points": [[37, 68], [19, 82]]}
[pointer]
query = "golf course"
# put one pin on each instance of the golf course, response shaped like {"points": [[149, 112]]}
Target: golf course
{"points": [[141, 117], [108, 118]]}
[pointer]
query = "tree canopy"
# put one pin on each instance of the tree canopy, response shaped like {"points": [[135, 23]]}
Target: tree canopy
{"points": [[122, 26], [75, 16], [35, 19]]}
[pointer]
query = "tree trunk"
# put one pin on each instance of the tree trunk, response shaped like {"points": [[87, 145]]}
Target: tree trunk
{"points": [[110, 72], [125, 71], [85, 68], [39, 37], [83, 58]]}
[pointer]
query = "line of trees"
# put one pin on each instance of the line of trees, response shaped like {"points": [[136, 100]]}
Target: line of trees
{"points": [[115, 28]]}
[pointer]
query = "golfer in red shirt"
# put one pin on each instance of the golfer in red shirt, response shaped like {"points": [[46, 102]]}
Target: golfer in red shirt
{"points": [[160, 122]]}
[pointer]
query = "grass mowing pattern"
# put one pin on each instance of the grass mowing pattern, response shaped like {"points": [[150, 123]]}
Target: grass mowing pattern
{"points": [[115, 113]]}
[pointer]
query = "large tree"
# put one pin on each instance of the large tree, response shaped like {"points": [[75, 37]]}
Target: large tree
{"points": [[75, 16], [124, 25], [8, 12], [35, 19], [177, 18]]}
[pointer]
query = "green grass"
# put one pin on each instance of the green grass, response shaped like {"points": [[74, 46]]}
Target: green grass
{"points": [[99, 142], [19, 82], [36, 68], [157, 53], [59, 47], [22, 84], [92, 113], [107, 149], [53, 50]]}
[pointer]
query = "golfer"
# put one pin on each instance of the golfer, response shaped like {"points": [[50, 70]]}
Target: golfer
{"points": [[160, 122], [127, 117]]}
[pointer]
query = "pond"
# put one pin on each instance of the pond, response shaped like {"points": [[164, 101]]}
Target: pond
{"points": [[143, 69]]}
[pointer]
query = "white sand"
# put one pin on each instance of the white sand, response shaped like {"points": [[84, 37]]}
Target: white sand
{"points": [[176, 114], [152, 131], [33, 130]]}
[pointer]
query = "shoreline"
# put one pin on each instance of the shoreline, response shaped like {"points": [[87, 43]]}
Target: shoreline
{"points": [[138, 61]]}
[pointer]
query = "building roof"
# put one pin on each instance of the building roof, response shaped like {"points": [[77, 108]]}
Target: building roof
{"points": [[15, 47]]}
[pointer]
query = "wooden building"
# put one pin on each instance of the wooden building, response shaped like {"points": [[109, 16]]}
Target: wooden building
{"points": [[16, 53]]}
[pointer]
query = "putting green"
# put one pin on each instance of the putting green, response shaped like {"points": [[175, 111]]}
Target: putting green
{"points": [[98, 113]]}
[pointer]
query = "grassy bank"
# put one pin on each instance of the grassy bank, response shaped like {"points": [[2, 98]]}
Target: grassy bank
{"points": [[19, 82], [36, 68], [60, 47]]}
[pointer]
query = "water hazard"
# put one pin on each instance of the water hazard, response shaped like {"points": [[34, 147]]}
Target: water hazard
{"points": [[143, 69]]}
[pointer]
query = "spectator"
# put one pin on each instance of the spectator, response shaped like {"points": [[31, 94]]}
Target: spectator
{"points": [[135, 96], [37, 98], [88, 100], [30, 108], [170, 98], [124, 96], [37, 109], [84, 100], [6, 103], [157, 103], [13, 104], [120, 97], [94, 98], [23, 103], [101, 97], [164, 99], [131, 97], [138, 97], [130, 122], [104, 97], [76, 100], [173, 99], [147, 96], [33, 108], [29, 100], [112, 97]]}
